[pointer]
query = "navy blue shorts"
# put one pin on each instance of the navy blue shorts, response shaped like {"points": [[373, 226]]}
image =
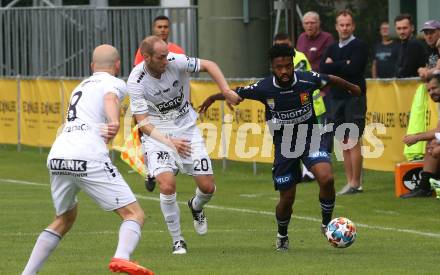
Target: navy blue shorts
{"points": [[287, 171]]}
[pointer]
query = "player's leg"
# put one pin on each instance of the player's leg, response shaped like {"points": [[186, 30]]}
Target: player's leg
{"points": [[105, 185], [324, 177], [130, 230], [286, 174], [200, 167], [64, 198], [170, 209], [150, 181], [204, 192], [129, 236], [283, 213]]}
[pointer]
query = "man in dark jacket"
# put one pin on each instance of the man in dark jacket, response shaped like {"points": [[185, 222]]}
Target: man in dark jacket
{"points": [[412, 53], [348, 59]]}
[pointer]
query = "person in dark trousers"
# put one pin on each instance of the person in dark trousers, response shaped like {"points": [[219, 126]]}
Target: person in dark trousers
{"points": [[348, 59], [412, 53]]}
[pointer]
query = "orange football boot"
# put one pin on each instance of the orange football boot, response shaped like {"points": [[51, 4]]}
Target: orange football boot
{"points": [[129, 267]]}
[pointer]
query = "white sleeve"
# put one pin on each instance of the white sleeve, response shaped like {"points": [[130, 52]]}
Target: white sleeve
{"points": [[138, 102], [185, 63], [117, 87]]}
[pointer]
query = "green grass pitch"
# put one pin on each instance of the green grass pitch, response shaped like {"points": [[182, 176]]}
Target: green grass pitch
{"points": [[394, 236]]}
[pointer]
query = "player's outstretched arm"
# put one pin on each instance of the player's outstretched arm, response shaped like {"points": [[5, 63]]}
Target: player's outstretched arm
{"points": [[214, 71], [111, 109], [209, 101], [342, 83]]}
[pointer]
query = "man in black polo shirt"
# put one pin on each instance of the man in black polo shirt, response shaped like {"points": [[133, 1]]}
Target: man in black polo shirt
{"points": [[348, 59], [412, 53]]}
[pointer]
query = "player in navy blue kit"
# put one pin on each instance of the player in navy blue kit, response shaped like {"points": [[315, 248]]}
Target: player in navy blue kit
{"points": [[287, 96]]}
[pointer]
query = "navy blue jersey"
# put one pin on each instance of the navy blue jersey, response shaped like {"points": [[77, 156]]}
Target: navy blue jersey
{"points": [[292, 105], [286, 110]]}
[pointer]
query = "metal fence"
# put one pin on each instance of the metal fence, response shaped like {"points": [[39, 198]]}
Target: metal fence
{"points": [[54, 42]]}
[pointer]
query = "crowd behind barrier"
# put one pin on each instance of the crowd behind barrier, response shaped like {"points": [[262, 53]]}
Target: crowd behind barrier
{"points": [[32, 110]]}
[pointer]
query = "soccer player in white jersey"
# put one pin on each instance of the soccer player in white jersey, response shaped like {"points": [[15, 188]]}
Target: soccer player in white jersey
{"points": [[79, 160], [159, 98]]}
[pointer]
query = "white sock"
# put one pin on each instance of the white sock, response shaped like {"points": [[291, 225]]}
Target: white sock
{"points": [[45, 244], [129, 236], [171, 213], [201, 199]]}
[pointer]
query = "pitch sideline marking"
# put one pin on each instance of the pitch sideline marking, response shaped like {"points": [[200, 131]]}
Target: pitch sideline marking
{"points": [[250, 211]]}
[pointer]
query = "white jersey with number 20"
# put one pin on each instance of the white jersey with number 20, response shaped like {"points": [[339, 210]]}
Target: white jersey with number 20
{"points": [[165, 100]]}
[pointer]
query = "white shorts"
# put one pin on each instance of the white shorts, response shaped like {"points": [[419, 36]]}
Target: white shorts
{"points": [[160, 158], [100, 180]]}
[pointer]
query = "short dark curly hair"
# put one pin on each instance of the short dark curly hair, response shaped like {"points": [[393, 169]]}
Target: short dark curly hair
{"points": [[433, 76], [281, 50]]}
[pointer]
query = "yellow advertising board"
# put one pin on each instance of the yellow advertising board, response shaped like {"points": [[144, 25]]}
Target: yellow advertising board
{"points": [[240, 134], [389, 103], [8, 111], [41, 111], [209, 123]]}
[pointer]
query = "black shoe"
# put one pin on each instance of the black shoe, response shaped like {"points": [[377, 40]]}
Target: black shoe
{"points": [[417, 193], [180, 247], [307, 178], [200, 221], [282, 243], [150, 183]]}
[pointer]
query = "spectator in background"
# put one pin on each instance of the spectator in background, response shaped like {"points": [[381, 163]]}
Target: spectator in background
{"points": [[313, 42], [431, 34], [348, 59], [385, 54], [161, 28], [412, 53]]}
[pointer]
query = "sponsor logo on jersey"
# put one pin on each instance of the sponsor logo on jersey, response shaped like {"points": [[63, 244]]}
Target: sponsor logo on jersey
{"points": [[171, 104], [69, 167], [284, 179], [162, 91], [78, 127], [293, 116], [304, 98]]}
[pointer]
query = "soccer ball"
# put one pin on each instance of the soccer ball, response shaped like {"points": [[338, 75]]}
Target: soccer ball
{"points": [[341, 232]]}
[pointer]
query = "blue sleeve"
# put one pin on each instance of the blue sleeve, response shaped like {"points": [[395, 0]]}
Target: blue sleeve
{"points": [[252, 91], [315, 80]]}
